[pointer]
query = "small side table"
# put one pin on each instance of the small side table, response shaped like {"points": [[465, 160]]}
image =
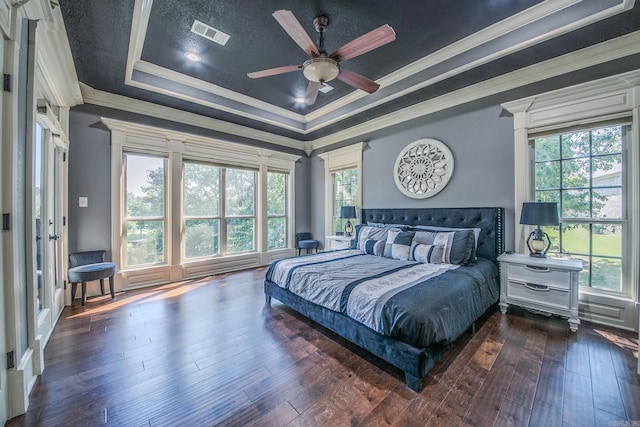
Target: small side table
{"points": [[548, 285], [333, 243]]}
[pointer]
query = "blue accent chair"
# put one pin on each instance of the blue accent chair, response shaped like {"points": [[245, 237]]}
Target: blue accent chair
{"points": [[87, 266], [305, 241]]}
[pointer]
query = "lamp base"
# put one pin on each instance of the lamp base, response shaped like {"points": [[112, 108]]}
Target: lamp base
{"points": [[348, 229], [538, 243]]}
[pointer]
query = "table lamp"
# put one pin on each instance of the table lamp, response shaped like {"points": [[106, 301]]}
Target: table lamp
{"points": [[348, 212], [539, 213]]}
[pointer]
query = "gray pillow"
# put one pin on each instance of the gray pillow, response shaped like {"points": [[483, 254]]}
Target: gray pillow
{"points": [[458, 245], [476, 234]]}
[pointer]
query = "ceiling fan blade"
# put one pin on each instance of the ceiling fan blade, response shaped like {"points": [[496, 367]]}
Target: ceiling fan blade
{"points": [[366, 42], [358, 81], [274, 71], [312, 93], [292, 26]]}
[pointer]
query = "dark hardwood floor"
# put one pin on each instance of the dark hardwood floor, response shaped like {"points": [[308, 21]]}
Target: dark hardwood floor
{"points": [[209, 352]]}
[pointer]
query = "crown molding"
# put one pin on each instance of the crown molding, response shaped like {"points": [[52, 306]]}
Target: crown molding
{"points": [[123, 103], [155, 70], [55, 60], [146, 131]]}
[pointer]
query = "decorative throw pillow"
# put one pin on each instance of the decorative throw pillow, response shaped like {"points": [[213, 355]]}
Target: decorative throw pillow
{"points": [[476, 234], [458, 245], [374, 247], [398, 244], [364, 232], [426, 254]]}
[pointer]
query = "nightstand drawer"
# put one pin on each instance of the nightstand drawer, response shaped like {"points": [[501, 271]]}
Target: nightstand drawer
{"points": [[541, 294], [539, 275]]}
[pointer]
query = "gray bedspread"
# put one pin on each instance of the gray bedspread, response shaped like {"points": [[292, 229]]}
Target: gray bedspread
{"points": [[419, 304]]}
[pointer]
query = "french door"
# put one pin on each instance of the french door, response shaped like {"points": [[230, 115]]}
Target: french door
{"points": [[47, 213]]}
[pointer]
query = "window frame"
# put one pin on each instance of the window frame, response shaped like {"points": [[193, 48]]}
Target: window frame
{"points": [[224, 232], [177, 146], [285, 215], [126, 219], [186, 217], [601, 101], [337, 223], [349, 157], [622, 221]]}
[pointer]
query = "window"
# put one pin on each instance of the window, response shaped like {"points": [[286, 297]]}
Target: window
{"points": [[186, 206], [201, 210], [145, 184], [342, 183], [276, 210], [240, 210], [345, 193], [584, 172]]}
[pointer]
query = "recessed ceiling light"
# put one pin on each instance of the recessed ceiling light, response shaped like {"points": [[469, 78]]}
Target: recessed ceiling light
{"points": [[192, 56], [300, 99]]}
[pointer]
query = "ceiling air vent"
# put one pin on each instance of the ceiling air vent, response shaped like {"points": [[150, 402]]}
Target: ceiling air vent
{"points": [[210, 33]]}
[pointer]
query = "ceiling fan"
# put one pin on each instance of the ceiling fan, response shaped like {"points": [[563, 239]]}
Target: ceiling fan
{"points": [[320, 67]]}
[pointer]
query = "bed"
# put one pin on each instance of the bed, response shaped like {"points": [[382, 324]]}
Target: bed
{"points": [[413, 281]]}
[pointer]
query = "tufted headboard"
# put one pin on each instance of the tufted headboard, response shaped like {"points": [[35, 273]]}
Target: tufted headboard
{"points": [[489, 220]]}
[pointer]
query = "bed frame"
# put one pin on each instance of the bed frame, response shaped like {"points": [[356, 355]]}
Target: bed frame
{"points": [[413, 361]]}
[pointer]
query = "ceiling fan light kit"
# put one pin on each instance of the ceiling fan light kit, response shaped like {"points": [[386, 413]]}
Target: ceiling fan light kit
{"points": [[320, 67]]}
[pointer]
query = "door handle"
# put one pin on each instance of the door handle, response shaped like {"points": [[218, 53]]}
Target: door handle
{"points": [[53, 237]]}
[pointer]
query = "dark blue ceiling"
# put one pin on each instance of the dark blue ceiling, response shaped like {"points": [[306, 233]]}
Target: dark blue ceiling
{"points": [[99, 35]]}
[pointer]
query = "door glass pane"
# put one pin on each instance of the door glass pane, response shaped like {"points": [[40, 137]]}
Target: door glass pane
{"points": [[38, 193]]}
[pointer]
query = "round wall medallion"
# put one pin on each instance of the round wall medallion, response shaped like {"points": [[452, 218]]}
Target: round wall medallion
{"points": [[423, 168]]}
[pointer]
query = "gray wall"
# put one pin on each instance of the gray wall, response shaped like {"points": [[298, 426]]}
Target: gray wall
{"points": [[482, 147], [89, 176]]}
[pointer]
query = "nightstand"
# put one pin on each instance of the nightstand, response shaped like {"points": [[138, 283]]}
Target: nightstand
{"points": [[548, 285], [333, 243]]}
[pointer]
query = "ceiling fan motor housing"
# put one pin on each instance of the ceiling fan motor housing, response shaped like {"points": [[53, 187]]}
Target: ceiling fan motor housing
{"points": [[320, 69]]}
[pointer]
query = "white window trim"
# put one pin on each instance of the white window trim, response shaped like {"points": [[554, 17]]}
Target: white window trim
{"points": [[126, 136], [336, 160], [610, 98]]}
